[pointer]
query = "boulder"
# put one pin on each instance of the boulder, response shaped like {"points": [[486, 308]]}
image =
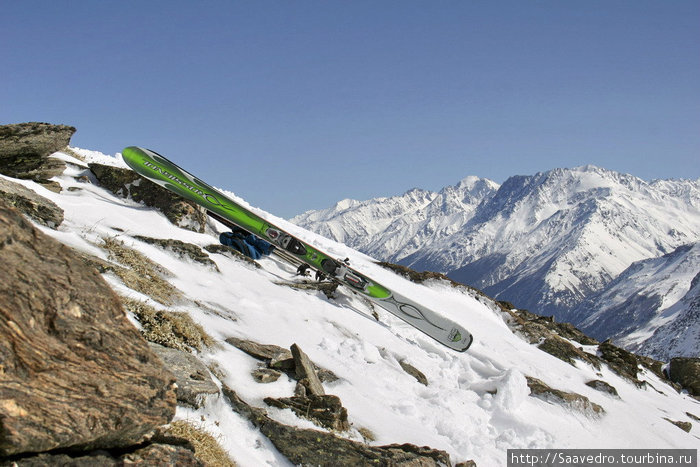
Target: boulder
{"points": [[602, 386], [25, 149], [37, 207], [74, 372], [128, 184], [194, 383], [686, 372]]}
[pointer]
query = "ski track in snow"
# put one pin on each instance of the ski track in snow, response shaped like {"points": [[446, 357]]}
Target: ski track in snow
{"points": [[477, 403]]}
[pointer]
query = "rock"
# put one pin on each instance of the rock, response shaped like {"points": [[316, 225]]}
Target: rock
{"points": [[686, 372], [306, 373], [266, 375], [277, 358], [619, 360], [413, 371], [182, 249], [602, 386], [25, 149], [685, 426], [74, 371], [193, 380], [326, 411], [260, 351], [37, 207], [313, 447], [469, 463], [568, 399], [162, 454], [127, 183], [151, 454]]}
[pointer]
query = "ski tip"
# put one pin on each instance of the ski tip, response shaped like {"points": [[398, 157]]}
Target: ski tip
{"points": [[469, 343]]}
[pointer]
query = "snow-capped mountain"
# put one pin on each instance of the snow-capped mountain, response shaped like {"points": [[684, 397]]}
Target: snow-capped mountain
{"points": [[648, 295], [503, 393], [544, 242], [393, 228]]}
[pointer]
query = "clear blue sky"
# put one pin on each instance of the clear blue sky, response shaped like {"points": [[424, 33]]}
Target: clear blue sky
{"points": [[295, 105]]}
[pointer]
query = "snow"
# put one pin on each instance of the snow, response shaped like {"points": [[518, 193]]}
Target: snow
{"points": [[477, 403]]}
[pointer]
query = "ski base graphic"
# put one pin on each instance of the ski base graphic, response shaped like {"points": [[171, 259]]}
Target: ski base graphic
{"points": [[162, 171]]}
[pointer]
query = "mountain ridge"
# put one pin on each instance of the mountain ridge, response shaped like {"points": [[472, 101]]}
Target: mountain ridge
{"points": [[545, 242]]}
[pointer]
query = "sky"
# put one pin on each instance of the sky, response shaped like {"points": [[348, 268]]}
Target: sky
{"points": [[295, 105]]}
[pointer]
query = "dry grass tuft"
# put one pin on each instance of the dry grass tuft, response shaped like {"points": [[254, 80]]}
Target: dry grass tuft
{"points": [[206, 447], [141, 274], [171, 329]]}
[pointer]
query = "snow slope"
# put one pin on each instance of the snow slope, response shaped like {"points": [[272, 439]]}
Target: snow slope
{"points": [[476, 405]]}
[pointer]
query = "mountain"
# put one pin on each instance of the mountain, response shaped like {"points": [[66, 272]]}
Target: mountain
{"points": [[649, 295], [393, 228], [544, 242], [522, 384]]}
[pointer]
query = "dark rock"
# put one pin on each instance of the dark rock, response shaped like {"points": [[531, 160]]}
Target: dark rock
{"points": [[469, 463], [277, 358], [74, 372], [306, 373], [260, 351], [686, 372], [37, 207], [182, 249], [152, 454], [568, 399], [326, 411], [127, 183], [619, 360], [685, 426], [602, 386], [312, 447], [413, 371], [193, 380], [564, 350], [25, 149], [266, 375]]}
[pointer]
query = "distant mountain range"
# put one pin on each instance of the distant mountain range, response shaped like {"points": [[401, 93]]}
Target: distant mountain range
{"points": [[607, 251]]}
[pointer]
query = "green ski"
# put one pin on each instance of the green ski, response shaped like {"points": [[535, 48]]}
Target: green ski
{"points": [[160, 170]]}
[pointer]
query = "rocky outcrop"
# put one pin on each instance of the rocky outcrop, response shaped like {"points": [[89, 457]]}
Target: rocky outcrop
{"points": [[128, 184], [194, 383], [313, 447], [181, 249], [571, 400], [25, 149], [151, 454], [28, 202], [686, 372], [74, 372]]}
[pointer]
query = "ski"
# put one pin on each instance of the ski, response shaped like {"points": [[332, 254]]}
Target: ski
{"points": [[162, 171]]}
